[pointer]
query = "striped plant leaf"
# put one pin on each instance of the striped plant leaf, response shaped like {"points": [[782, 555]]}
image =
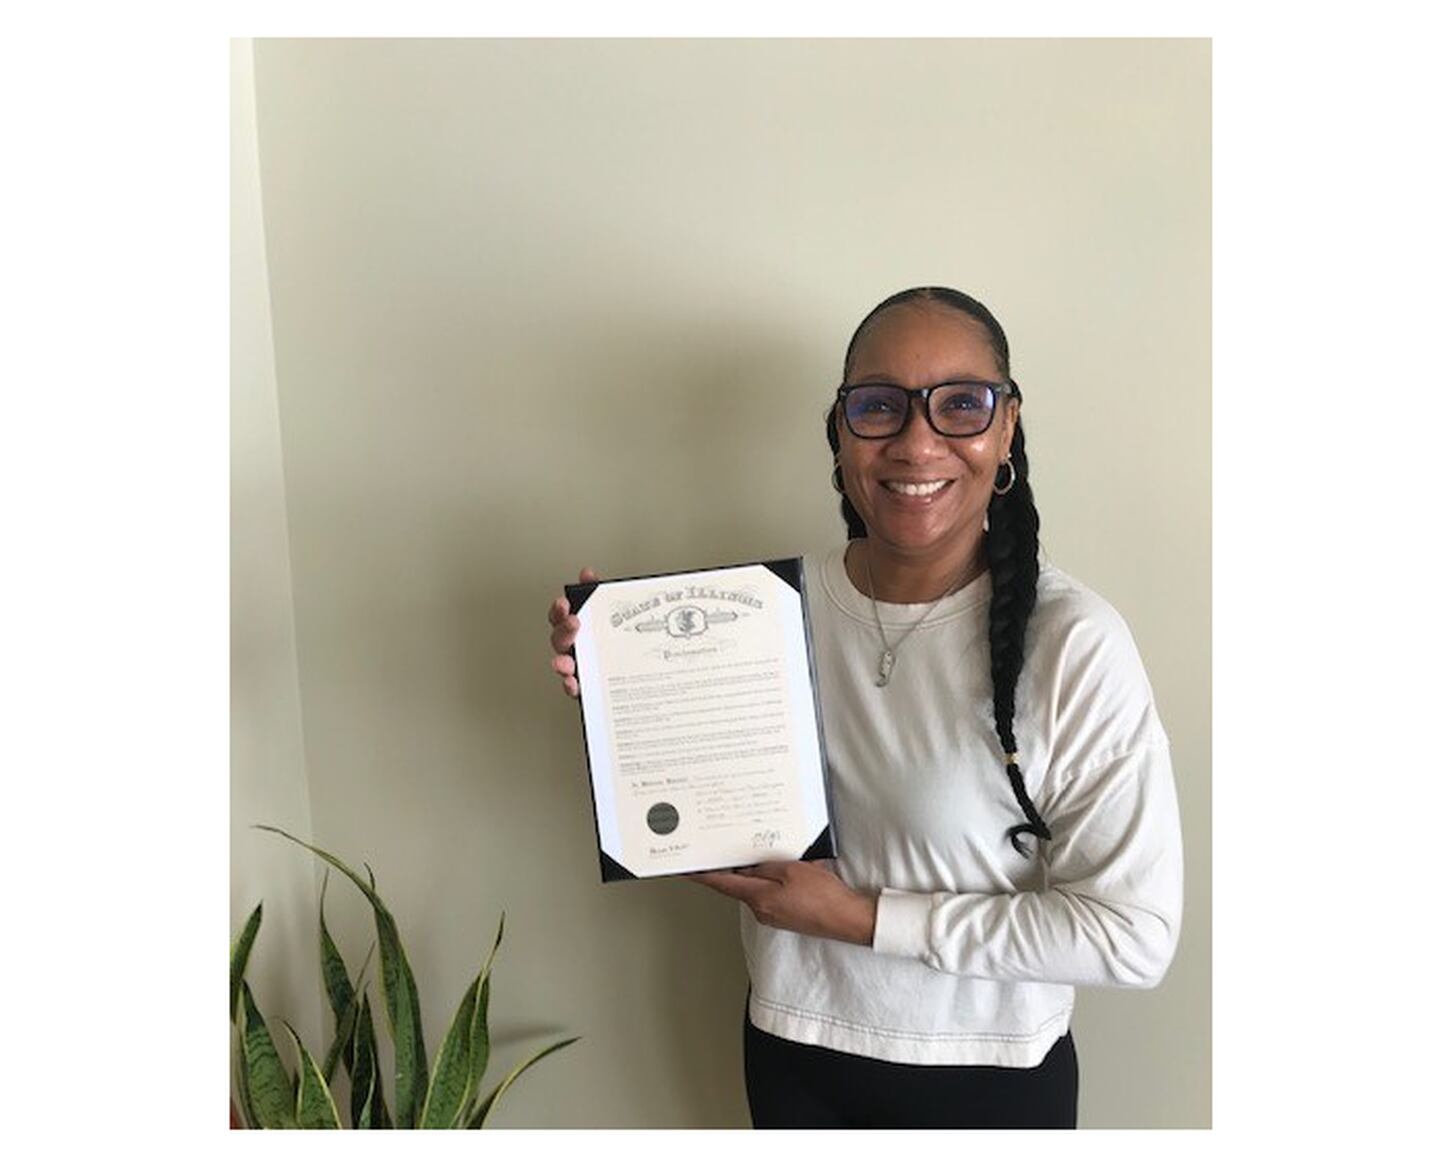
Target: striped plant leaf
{"points": [[272, 1098], [314, 1105], [452, 1068], [367, 1093], [242, 1078], [363, 1075], [480, 1031], [344, 1044], [402, 999], [479, 1049], [373, 1114], [240, 957], [363, 1117], [482, 1111], [332, 965]]}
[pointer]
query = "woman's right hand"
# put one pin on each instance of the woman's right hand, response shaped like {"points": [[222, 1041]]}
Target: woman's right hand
{"points": [[563, 629]]}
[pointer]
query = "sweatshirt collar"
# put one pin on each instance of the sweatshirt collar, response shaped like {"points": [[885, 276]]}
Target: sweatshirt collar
{"points": [[853, 602]]}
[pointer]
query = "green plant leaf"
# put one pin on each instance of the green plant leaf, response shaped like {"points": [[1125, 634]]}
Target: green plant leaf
{"points": [[494, 948], [451, 1075], [482, 1112], [479, 1049], [242, 1078], [402, 999], [363, 1075], [342, 996], [240, 957], [272, 1097], [344, 1044], [480, 1031], [363, 1118], [314, 1105], [367, 1093], [332, 964]]}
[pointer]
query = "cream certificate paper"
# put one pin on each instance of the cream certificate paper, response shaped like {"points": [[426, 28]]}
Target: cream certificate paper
{"points": [[702, 728]]}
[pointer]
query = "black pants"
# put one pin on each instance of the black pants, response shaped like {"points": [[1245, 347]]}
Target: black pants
{"points": [[794, 1085]]}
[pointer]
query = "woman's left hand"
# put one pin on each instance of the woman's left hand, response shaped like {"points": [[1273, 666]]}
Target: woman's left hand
{"points": [[800, 897]]}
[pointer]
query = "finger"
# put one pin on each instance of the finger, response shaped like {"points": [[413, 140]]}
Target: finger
{"points": [[587, 575], [571, 686], [740, 887], [563, 664], [559, 609], [773, 871], [731, 885], [563, 636]]}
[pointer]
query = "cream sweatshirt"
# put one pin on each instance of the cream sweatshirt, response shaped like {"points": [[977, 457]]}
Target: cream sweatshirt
{"points": [[976, 948]]}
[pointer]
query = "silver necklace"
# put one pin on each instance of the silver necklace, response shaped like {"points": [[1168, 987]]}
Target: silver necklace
{"points": [[887, 656]]}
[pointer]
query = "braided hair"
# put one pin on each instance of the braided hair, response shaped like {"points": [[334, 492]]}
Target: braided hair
{"points": [[1012, 549]]}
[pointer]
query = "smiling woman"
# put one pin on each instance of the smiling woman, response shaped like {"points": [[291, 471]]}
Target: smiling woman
{"points": [[928, 977]]}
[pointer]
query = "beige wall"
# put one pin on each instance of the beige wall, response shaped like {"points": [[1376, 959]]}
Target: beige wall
{"points": [[541, 304], [267, 753]]}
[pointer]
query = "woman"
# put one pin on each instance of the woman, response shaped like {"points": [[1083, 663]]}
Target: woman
{"points": [[1004, 806]]}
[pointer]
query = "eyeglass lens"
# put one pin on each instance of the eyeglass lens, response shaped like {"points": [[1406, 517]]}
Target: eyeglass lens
{"points": [[957, 411]]}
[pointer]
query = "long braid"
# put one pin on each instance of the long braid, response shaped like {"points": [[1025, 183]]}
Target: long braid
{"points": [[1012, 548]]}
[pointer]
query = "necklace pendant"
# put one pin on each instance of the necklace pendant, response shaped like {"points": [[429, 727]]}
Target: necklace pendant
{"points": [[887, 663]]}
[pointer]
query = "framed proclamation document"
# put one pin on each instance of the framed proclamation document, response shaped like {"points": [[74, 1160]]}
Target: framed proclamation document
{"points": [[701, 720]]}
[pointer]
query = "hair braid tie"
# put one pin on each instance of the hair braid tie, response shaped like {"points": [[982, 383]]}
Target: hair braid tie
{"points": [[1035, 824]]}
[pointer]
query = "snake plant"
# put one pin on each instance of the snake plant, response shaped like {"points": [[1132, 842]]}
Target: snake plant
{"points": [[445, 1094]]}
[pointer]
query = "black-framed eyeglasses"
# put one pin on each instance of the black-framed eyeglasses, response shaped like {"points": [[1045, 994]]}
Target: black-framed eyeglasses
{"points": [[954, 409]]}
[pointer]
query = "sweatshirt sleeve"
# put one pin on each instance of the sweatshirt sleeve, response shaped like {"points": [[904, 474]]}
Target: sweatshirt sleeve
{"points": [[1110, 910]]}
